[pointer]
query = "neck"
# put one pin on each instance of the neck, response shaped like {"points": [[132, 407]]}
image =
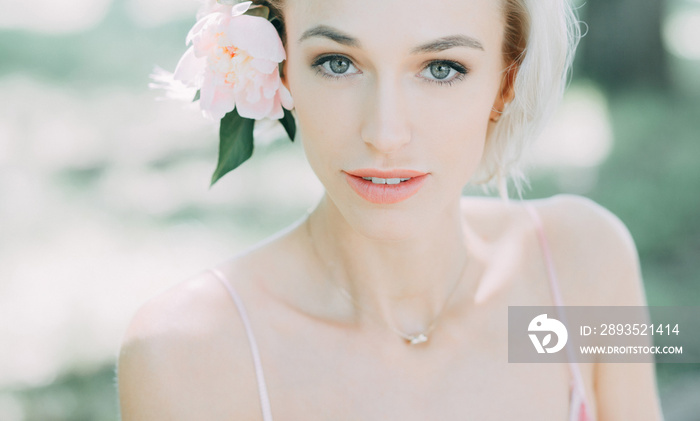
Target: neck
{"points": [[400, 271]]}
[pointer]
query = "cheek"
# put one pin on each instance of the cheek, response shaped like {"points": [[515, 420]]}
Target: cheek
{"points": [[454, 125], [324, 121]]}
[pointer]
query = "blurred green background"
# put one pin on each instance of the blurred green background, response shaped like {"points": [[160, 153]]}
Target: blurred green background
{"points": [[105, 200]]}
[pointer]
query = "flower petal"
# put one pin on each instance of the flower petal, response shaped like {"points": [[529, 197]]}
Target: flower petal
{"points": [[240, 8], [216, 99], [205, 40], [263, 65], [276, 112], [189, 67], [285, 97], [270, 84], [197, 28], [207, 91], [253, 93], [255, 110], [266, 44], [223, 103]]}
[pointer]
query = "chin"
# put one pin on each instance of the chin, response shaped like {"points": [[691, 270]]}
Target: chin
{"points": [[397, 222]]}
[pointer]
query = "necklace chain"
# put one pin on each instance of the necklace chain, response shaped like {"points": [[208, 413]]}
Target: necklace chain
{"points": [[414, 339]]}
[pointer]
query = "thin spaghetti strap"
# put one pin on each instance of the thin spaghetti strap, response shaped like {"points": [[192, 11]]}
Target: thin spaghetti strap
{"points": [[577, 378], [262, 388], [547, 255]]}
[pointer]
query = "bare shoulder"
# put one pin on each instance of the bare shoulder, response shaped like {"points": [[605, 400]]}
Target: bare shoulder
{"points": [[185, 356], [595, 252], [594, 255], [584, 217], [592, 247], [596, 262]]}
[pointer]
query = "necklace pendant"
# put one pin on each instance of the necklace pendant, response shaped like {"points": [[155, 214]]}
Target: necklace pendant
{"points": [[417, 339]]}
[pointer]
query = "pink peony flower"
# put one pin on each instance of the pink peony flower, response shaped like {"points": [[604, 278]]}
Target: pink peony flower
{"points": [[233, 61]]}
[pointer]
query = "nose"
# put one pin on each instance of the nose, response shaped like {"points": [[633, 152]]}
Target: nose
{"points": [[386, 126]]}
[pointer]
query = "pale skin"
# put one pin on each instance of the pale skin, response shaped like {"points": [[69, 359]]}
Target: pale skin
{"points": [[186, 356]]}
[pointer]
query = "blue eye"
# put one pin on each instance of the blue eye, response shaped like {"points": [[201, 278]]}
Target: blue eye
{"points": [[335, 67], [444, 72], [440, 70]]}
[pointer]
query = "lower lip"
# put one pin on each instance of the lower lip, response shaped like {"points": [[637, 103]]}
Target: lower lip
{"points": [[385, 193]]}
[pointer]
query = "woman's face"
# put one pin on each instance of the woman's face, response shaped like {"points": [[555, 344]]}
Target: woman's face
{"points": [[394, 84]]}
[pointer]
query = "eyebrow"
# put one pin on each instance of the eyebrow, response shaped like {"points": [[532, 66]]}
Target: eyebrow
{"points": [[437, 45], [330, 33], [448, 42]]}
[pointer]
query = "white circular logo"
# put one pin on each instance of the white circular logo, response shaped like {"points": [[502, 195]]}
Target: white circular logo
{"points": [[542, 324]]}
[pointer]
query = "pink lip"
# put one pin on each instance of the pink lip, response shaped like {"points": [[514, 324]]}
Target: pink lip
{"points": [[372, 172], [385, 193]]}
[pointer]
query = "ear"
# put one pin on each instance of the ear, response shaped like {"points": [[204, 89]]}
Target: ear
{"points": [[506, 92], [283, 73]]}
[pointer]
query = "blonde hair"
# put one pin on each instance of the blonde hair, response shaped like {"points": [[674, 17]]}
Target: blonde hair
{"points": [[540, 41], [539, 44]]}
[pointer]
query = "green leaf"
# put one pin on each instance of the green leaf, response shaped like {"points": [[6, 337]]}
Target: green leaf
{"points": [[261, 11], [196, 96], [235, 143], [289, 124]]}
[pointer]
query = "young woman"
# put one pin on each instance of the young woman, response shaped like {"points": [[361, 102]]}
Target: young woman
{"points": [[389, 300]]}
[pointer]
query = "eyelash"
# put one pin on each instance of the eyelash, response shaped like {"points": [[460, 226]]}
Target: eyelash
{"points": [[461, 70]]}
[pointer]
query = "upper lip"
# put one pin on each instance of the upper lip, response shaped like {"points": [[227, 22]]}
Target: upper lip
{"points": [[396, 173]]}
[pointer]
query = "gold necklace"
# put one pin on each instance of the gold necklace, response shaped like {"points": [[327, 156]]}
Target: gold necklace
{"points": [[414, 339]]}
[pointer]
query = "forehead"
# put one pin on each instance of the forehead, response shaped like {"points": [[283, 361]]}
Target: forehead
{"points": [[399, 22]]}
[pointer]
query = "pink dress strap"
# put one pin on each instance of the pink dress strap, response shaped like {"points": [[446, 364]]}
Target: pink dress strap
{"points": [[579, 405], [262, 388]]}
